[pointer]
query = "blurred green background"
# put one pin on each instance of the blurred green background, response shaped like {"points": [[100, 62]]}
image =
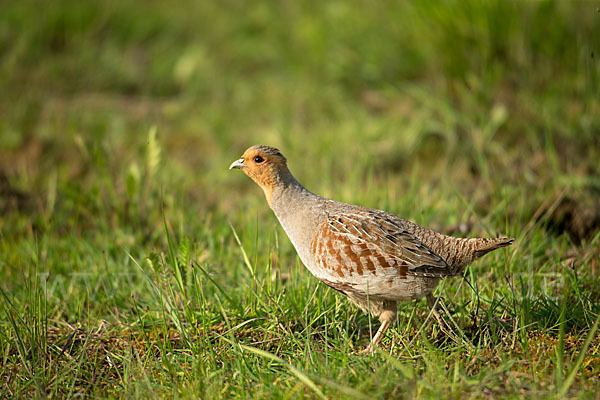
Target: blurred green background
{"points": [[498, 88], [115, 114], [503, 92]]}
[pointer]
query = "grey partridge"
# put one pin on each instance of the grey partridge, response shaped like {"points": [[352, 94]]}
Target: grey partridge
{"points": [[373, 257]]}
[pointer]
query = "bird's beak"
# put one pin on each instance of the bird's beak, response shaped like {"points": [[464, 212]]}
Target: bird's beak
{"points": [[238, 164]]}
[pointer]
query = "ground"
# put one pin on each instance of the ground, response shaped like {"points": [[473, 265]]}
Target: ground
{"points": [[133, 263]]}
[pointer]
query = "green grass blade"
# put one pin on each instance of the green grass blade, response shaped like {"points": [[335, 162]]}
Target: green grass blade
{"points": [[295, 371], [575, 368]]}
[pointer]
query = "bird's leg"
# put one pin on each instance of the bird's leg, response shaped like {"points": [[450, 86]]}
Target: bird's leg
{"points": [[435, 306], [387, 317]]}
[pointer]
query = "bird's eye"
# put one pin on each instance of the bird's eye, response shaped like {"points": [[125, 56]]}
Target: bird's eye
{"points": [[258, 159]]}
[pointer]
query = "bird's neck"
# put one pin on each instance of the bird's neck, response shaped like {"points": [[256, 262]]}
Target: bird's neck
{"points": [[284, 192], [299, 212], [289, 199]]}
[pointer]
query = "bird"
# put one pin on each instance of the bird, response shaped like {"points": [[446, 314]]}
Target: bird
{"points": [[374, 258]]}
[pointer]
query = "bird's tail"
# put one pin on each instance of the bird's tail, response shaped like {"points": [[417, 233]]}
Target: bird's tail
{"points": [[465, 251], [485, 245]]}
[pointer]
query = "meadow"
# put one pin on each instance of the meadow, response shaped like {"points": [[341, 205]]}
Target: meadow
{"points": [[134, 263]]}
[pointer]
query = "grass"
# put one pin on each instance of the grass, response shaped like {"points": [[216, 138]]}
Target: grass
{"points": [[133, 263]]}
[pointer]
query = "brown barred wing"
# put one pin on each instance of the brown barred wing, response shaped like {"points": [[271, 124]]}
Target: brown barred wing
{"points": [[359, 244]]}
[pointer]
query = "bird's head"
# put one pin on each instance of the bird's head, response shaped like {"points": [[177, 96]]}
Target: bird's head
{"points": [[265, 165]]}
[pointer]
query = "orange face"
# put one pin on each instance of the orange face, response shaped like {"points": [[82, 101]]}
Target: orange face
{"points": [[264, 164]]}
